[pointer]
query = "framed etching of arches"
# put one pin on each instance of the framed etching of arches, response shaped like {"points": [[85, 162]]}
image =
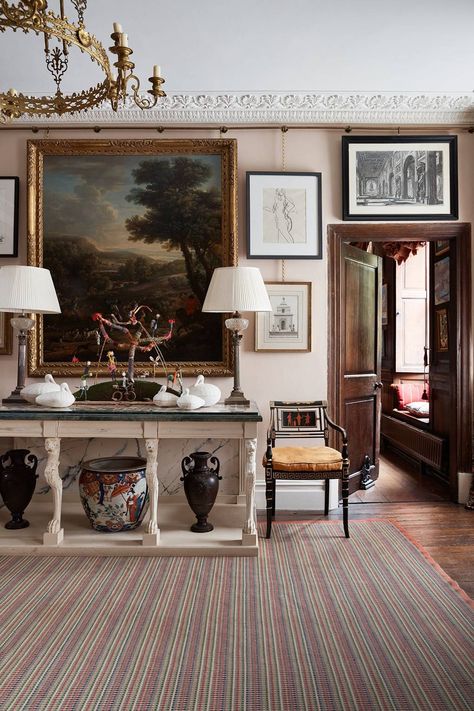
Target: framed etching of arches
{"points": [[399, 178], [288, 326]]}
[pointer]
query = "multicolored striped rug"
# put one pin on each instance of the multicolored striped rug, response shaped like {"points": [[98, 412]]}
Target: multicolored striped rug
{"points": [[316, 622]]}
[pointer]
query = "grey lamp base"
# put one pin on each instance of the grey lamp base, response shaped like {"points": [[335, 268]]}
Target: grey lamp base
{"points": [[237, 398], [14, 397]]}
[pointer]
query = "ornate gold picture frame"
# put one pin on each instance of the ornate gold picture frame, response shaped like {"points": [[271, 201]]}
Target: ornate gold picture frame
{"points": [[126, 223]]}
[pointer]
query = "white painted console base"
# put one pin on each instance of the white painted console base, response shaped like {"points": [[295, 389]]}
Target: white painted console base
{"points": [[464, 484]]}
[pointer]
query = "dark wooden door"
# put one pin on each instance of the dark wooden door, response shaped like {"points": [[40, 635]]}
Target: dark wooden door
{"points": [[450, 370], [360, 288]]}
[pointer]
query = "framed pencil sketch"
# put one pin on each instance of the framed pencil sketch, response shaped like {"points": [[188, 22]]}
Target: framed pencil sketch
{"points": [[9, 189], [6, 341], [123, 224], [288, 326], [442, 336], [284, 215], [399, 178]]}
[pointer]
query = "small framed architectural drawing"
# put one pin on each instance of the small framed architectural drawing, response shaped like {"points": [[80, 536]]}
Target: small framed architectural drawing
{"points": [[284, 216], [288, 326], [9, 216], [399, 178]]}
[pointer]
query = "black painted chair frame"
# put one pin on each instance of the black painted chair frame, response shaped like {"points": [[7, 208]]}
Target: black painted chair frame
{"points": [[316, 425]]}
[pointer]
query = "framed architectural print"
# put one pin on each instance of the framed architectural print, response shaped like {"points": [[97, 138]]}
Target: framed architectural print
{"points": [[288, 326], [131, 231], [6, 341], [284, 216], [9, 190], [399, 178]]}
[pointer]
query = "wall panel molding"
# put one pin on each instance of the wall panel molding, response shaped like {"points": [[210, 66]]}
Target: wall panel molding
{"points": [[297, 108]]}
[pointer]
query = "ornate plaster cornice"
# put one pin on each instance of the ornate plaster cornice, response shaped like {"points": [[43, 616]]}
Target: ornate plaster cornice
{"points": [[297, 108]]}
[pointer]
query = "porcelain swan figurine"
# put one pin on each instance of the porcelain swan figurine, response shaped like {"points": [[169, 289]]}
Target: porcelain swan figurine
{"points": [[190, 402], [48, 385], [60, 398], [164, 398], [208, 392]]}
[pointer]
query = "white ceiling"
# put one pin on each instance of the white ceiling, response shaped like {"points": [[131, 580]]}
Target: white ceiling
{"points": [[271, 45]]}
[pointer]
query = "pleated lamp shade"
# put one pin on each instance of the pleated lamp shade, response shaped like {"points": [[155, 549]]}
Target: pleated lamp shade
{"points": [[27, 290], [236, 289]]}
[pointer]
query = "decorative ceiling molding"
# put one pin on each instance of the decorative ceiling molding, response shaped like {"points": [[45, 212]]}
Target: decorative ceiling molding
{"points": [[298, 108]]}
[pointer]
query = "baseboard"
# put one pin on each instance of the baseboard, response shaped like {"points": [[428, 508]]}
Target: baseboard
{"points": [[464, 484], [299, 495]]}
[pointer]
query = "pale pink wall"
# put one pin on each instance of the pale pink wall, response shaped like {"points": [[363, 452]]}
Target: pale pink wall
{"points": [[264, 376]]}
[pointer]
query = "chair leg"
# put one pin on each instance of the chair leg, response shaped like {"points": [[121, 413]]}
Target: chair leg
{"points": [[274, 498], [326, 498], [345, 502], [269, 500]]}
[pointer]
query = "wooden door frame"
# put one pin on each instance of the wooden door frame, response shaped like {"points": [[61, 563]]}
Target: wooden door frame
{"points": [[460, 233]]}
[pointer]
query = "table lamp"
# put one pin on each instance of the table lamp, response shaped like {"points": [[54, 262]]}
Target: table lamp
{"points": [[25, 290], [236, 289]]}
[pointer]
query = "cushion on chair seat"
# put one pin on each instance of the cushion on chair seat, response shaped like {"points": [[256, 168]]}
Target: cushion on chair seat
{"points": [[305, 459]]}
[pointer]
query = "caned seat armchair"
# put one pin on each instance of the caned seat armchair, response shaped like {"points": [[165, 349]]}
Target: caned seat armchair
{"points": [[304, 420]]}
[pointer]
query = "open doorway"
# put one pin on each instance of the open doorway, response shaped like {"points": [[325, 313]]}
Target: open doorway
{"points": [[356, 377]]}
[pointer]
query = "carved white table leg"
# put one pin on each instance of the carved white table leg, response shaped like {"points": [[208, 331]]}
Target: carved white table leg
{"points": [[249, 533], [55, 533], [152, 535]]}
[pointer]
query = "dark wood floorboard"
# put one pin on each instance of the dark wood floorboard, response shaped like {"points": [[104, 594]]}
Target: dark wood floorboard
{"points": [[444, 529]]}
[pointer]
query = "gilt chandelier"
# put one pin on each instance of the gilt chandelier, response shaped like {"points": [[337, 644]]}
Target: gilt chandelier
{"points": [[60, 35]]}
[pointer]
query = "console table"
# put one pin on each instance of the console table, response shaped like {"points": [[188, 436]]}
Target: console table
{"points": [[137, 421]]}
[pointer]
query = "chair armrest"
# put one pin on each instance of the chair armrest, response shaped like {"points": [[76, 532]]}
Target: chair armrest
{"points": [[338, 428], [270, 444]]}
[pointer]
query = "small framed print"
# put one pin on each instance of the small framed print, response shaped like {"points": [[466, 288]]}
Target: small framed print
{"points": [[6, 341], [399, 178], [384, 305], [442, 334], [441, 281], [9, 216], [441, 247], [284, 216], [288, 326]]}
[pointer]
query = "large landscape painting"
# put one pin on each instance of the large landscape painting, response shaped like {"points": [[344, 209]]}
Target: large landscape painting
{"points": [[123, 224]]}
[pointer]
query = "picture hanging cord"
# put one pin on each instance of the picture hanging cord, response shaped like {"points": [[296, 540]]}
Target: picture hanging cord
{"points": [[284, 131]]}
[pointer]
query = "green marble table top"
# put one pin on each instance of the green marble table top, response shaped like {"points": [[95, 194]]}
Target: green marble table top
{"points": [[131, 411]]}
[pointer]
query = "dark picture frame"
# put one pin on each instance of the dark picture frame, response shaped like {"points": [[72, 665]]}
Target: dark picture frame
{"points": [[127, 222], [442, 330], [6, 335], [284, 218], [399, 178], [9, 204], [442, 288], [441, 247]]}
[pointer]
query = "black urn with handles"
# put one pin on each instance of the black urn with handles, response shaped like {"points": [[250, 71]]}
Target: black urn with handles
{"points": [[201, 484], [17, 483]]}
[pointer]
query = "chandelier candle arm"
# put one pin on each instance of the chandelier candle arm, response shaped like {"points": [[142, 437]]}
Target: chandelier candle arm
{"points": [[36, 16]]}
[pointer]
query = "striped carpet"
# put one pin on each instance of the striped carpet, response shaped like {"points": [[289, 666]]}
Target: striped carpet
{"points": [[316, 622]]}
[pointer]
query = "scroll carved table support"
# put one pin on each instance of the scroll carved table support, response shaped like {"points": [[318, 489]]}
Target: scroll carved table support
{"points": [[152, 535], [55, 533], [249, 533]]}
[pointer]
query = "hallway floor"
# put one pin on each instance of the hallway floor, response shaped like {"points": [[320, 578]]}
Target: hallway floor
{"points": [[420, 505], [400, 482]]}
